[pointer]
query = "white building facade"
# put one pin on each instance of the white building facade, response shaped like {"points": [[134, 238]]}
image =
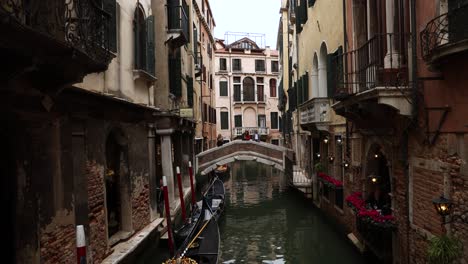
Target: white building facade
{"points": [[246, 88]]}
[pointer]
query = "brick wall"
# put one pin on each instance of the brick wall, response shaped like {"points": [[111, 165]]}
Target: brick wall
{"points": [[98, 248], [140, 203], [58, 245]]}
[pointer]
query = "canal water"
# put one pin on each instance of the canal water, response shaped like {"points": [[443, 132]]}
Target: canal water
{"points": [[267, 222]]}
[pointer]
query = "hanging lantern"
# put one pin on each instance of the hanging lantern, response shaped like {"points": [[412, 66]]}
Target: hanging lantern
{"points": [[325, 140], [346, 164], [339, 141], [331, 158], [442, 205]]}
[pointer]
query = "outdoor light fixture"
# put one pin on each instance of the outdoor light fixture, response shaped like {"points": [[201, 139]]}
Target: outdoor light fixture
{"points": [[444, 208], [376, 155], [346, 164], [331, 158], [325, 140], [339, 140], [318, 155], [374, 178]]}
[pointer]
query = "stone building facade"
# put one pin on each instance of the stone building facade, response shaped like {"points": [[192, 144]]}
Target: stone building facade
{"points": [[246, 88], [399, 86], [92, 120]]}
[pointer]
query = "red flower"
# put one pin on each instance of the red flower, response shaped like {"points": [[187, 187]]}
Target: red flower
{"points": [[330, 180]]}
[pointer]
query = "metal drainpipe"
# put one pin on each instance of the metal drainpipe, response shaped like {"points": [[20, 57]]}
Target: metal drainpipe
{"points": [[414, 113]]}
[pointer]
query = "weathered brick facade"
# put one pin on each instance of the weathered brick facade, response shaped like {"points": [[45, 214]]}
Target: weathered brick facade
{"points": [[98, 247]]}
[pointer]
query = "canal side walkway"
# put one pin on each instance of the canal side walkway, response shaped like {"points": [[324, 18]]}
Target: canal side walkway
{"points": [[127, 251]]}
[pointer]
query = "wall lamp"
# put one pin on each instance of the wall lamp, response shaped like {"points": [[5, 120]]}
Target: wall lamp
{"points": [[374, 178], [444, 208], [339, 140], [325, 140], [346, 164], [331, 158]]}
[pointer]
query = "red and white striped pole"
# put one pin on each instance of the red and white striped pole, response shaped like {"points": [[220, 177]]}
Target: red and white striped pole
{"points": [[190, 169], [168, 217], [181, 194], [80, 245]]}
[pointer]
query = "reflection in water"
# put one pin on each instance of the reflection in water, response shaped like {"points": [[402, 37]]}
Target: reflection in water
{"points": [[265, 223]]}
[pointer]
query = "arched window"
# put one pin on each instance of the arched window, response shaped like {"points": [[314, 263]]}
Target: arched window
{"points": [[315, 77], [272, 87], [322, 71], [248, 89], [139, 32]]}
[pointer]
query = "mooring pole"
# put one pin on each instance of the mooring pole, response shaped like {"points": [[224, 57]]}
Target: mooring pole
{"points": [[181, 194], [190, 169], [168, 217]]}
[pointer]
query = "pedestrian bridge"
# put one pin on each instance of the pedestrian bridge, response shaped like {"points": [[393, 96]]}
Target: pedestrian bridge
{"points": [[269, 154]]}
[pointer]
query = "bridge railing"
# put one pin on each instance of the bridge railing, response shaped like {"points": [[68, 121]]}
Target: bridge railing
{"points": [[262, 131]]}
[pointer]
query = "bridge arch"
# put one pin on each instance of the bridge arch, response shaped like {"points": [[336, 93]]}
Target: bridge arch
{"points": [[269, 154]]}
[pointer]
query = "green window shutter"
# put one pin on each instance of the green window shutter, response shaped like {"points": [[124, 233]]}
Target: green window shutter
{"points": [[224, 120], [150, 64], [190, 91], [175, 75], [110, 6], [306, 86], [223, 89], [238, 120], [195, 43], [274, 120], [299, 91], [334, 66], [237, 92]]}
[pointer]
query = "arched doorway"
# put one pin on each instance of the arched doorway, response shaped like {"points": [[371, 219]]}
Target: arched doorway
{"points": [[117, 184], [377, 195]]}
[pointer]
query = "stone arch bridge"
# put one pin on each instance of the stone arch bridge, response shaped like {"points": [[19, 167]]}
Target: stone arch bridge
{"points": [[269, 154]]}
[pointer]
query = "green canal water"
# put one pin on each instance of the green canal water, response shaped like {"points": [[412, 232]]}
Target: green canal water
{"points": [[267, 222]]}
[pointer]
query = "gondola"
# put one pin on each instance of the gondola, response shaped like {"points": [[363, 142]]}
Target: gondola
{"points": [[223, 172], [201, 243]]}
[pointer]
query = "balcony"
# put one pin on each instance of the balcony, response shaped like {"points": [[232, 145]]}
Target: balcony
{"points": [[445, 35], [178, 24], [262, 131], [375, 83], [63, 40], [315, 114], [249, 99]]}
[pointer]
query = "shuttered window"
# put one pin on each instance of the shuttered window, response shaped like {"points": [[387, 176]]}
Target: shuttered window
{"points": [[334, 69], [260, 65], [150, 63], [272, 87], [111, 7], [236, 65], [223, 88], [305, 86], [274, 120], [189, 91], [175, 75], [222, 64], [237, 92], [139, 37], [224, 120], [238, 121]]}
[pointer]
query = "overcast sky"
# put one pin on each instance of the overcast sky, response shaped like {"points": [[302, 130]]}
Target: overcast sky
{"points": [[252, 16]]}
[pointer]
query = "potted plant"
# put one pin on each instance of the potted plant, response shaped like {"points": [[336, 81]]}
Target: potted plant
{"points": [[444, 250], [318, 167]]}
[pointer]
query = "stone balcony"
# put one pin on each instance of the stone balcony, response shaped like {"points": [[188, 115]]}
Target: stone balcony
{"points": [[315, 113]]}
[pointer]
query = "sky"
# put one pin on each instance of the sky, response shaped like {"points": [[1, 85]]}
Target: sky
{"points": [[251, 16]]}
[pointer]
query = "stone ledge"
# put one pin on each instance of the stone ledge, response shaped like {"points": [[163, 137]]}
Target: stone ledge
{"points": [[125, 249]]}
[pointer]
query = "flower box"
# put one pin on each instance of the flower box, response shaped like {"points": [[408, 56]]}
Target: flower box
{"points": [[367, 215], [330, 181]]}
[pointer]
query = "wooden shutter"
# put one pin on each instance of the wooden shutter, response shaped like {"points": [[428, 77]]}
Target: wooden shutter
{"points": [[224, 120], [334, 63], [223, 89], [150, 64], [238, 120], [189, 91], [306, 86], [110, 6]]}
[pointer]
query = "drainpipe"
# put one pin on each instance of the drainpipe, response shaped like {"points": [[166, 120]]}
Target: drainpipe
{"points": [[414, 113]]}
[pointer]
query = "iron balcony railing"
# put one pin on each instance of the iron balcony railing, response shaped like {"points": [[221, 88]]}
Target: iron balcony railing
{"points": [[444, 30], [380, 62], [177, 16], [80, 24], [262, 131], [249, 99], [315, 110]]}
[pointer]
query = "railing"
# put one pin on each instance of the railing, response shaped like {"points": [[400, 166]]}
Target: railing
{"points": [[255, 99], [80, 24], [177, 16], [380, 62], [446, 29], [315, 110], [262, 131]]}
